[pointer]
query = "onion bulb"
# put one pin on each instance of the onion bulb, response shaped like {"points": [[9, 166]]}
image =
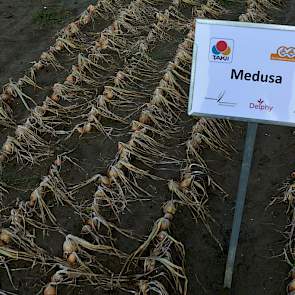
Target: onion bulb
{"points": [[169, 207], [2, 157], [50, 290], [143, 287], [86, 229], [5, 236], [105, 180], [108, 93], [293, 174], [291, 286], [74, 29], [99, 193], [191, 35], [113, 172], [6, 97], [72, 258], [57, 162], [69, 247], [33, 198], [70, 79], [91, 9], [186, 181], [160, 17], [149, 264], [87, 127], [164, 223], [38, 66], [55, 97], [115, 27], [162, 235], [59, 45], [168, 216], [166, 76], [8, 147], [57, 278], [144, 118], [196, 139], [85, 19], [292, 273]]}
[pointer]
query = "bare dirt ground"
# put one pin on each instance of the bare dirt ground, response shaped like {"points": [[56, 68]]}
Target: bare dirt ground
{"points": [[260, 266]]}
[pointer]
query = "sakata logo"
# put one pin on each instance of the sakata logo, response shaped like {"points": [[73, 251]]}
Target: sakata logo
{"points": [[221, 50], [284, 53]]}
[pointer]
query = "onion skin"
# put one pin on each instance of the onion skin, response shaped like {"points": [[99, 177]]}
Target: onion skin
{"points": [[144, 118], [5, 236], [105, 180], [6, 97], [8, 147], [2, 157], [108, 93], [72, 258], [50, 290], [162, 235], [55, 97], [169, 207], [186, 182], [57, 278], [292, 273], [71, 79], [149, 264], [293, 175], [291, 286], [87, 128], [164, 224], [86, 229], [69, 247], [57, 162], [168, 216]]}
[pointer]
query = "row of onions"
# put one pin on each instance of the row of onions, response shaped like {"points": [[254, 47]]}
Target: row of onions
{"points": [[28, 145], [54, 184], [160, 253], [162, 243], [68, 39]]}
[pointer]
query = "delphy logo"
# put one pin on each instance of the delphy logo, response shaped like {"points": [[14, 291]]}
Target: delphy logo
{"points": [[284, 53], [260, 105], [221, 50]]}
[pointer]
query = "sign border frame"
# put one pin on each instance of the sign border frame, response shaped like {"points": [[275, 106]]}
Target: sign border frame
{"points": [[193, 70]]}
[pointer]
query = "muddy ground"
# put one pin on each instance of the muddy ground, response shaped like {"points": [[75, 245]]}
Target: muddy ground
{"points": [[260, 267]]}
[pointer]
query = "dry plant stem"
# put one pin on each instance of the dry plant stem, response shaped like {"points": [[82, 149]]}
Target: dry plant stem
{"points": [[161, 256], [64, 92], [260, 10]]}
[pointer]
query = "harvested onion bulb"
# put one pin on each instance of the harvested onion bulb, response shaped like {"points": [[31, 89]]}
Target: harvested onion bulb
{"points": [[50, 290], [169, 207]]}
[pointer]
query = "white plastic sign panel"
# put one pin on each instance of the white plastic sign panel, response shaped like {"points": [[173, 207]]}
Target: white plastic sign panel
{"points": [[243, 71]]}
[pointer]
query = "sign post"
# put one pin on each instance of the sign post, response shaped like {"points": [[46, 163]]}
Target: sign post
{"points": [[240, 201], [246, 72]]}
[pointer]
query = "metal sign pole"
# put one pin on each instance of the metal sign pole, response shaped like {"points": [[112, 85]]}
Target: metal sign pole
{"points": [[240, 201]]}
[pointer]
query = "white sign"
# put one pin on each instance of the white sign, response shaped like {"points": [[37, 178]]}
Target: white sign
{"points": [[243, 71]]}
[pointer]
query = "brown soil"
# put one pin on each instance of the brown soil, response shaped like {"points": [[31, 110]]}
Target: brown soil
{"points": [[260, 266]]}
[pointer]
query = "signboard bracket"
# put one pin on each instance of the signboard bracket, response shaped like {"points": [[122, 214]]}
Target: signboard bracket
{"points": [[240, 201]]}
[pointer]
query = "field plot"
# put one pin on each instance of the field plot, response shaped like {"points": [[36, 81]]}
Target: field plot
{"points": [[107, 186]]}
